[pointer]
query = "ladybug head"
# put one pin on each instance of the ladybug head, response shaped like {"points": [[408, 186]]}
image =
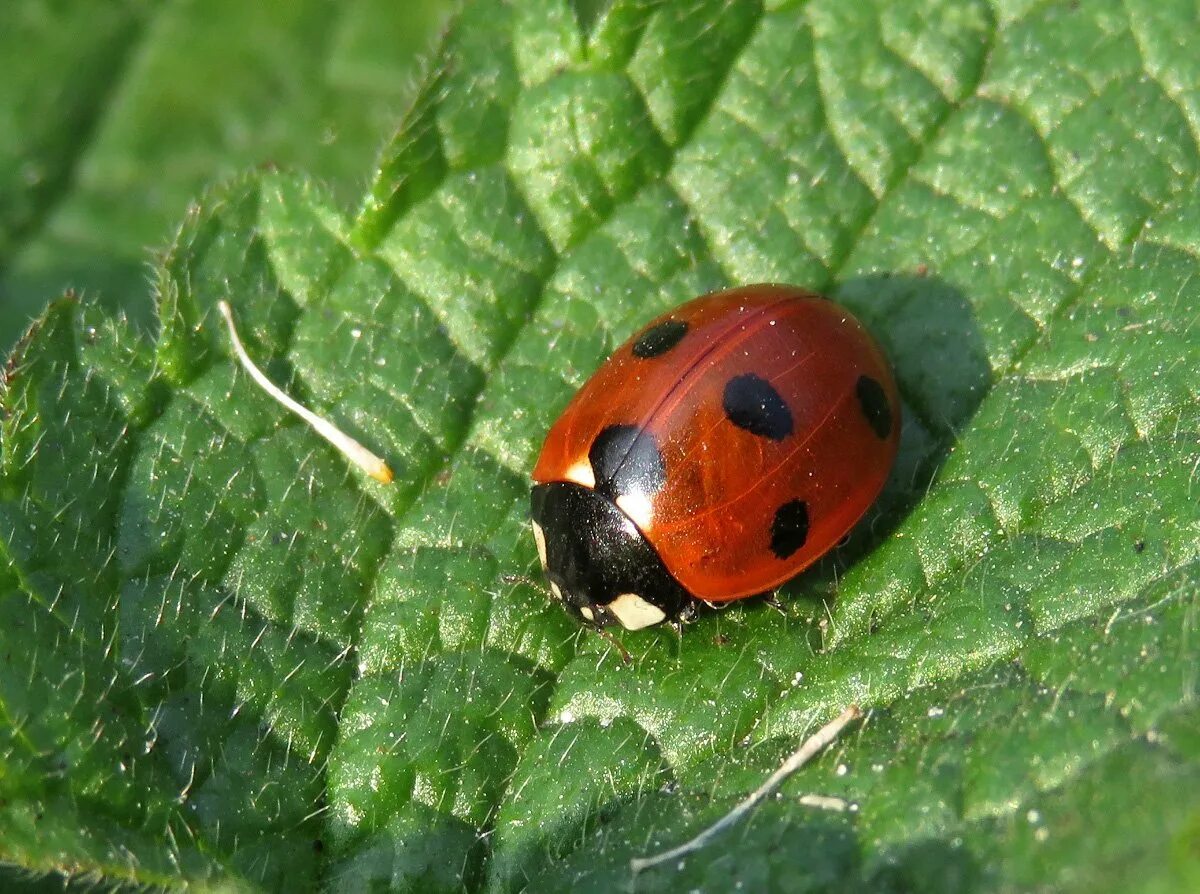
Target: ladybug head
{"points": [[597, 561]]}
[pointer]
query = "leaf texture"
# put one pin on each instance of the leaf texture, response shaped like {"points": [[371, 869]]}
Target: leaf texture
{"points": [[231, 662]]}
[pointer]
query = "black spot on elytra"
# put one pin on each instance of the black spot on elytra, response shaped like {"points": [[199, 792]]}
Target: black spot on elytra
{"points": [[657, 340], [752, 404], [626, 460], [789, 530], [874, 403]]}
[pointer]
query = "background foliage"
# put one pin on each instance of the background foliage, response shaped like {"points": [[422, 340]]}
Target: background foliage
{"points": [[116, 114], [229, 662]]}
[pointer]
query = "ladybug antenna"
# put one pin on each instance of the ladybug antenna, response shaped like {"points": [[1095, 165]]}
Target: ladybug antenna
{"points": [[346, 445], [810, 748]]}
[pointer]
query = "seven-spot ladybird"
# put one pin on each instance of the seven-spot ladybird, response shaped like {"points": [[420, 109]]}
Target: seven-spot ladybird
{"points": [[719, 452]]}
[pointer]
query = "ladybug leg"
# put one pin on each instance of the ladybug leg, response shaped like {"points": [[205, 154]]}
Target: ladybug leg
{"points": [[626, 658], [771, 600], [689, 612]]}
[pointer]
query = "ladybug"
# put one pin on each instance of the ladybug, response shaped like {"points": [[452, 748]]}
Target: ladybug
{"points": [[719, 452]]}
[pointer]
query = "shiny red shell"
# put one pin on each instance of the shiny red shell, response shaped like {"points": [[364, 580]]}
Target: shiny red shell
{"points": [[730, 478]]}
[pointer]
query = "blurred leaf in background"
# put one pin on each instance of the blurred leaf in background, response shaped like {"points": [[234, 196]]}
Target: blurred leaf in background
{"points": [[229, 662], [115, 114]]}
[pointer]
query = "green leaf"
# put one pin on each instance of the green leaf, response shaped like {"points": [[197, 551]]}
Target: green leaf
{"points": [[233, 662], [115, 114]]}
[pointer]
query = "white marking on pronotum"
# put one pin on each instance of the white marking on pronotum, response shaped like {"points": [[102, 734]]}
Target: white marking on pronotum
{"points": [[581, 473], [587, 612], [634, 612], [350, 448], [638, 509], [555, 590], [539, 537], [809, 749]]}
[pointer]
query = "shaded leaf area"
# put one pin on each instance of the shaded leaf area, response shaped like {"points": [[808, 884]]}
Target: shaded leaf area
{"points": [[231, 661], [115, 115], [41, 112]]}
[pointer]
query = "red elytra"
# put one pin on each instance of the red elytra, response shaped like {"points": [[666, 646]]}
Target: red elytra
{"points": [[741, 434]]}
